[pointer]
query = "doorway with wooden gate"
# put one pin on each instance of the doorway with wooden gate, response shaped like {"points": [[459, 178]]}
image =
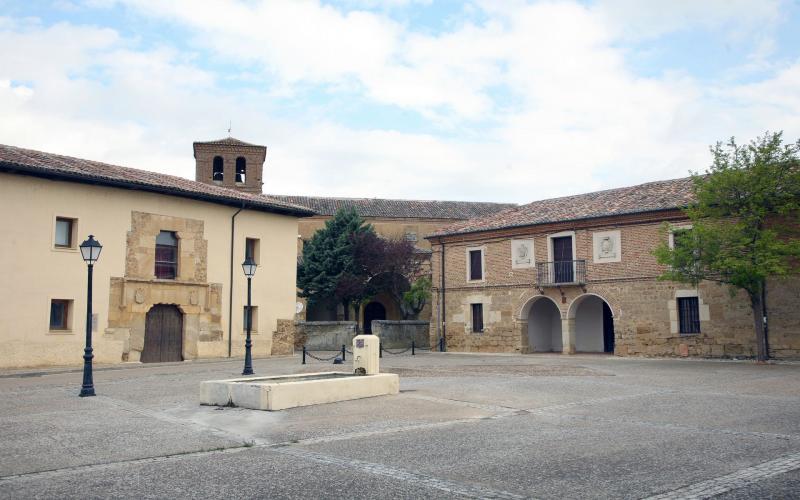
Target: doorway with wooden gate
{"points": [[163, 334]]}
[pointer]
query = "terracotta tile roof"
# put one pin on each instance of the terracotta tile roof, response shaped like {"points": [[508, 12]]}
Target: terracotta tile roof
{"points": [[30, 162], [404, 209], [649, 197], [228, 141]]}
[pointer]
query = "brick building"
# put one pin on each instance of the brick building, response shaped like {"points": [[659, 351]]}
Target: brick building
{"points": [[239, 165], [577, 274]]}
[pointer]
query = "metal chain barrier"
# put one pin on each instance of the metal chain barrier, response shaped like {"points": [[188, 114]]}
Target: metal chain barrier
{"points": [[344, 351], [308, 353], [398, 352]]}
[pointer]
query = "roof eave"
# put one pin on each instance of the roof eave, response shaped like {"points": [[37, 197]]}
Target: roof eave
{"points": [[16, 168], [561, 221]]}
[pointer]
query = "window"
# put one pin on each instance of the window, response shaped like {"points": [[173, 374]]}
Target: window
{"points": [[217, 174], [166, 255], [60, 312], [252, 249], [411, 236], [65, 229], [241, 169], [254, 325], [477, 318], [475, 265], [689, 315]]}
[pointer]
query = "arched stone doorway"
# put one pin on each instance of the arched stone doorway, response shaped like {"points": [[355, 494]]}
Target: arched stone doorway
{"points": [[593, 322], [373, 311], [544, 326], [163, 334]]}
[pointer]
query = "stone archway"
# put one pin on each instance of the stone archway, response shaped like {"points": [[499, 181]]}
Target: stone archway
{"points": [[544, 325], [591, 324], [373, 311]]}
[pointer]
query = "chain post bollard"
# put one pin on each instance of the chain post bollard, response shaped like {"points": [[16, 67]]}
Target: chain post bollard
{"points": [[413, 346], [344, 350], [380, 349], [304, 354]]}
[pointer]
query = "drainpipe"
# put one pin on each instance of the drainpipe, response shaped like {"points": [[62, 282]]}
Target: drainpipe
{"points": [[764, 317], [444, 308], [230, 287]]}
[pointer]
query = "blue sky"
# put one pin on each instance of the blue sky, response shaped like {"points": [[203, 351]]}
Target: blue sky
{"points": [[479, 100]]}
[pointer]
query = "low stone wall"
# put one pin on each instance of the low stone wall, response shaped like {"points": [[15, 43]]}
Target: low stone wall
{"points": [[324, 335], [399, 334]]}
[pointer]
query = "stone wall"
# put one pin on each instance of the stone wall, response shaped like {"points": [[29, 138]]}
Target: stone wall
{"points": [[324, 335], [133, 295], [283, 338], [399, 334]]}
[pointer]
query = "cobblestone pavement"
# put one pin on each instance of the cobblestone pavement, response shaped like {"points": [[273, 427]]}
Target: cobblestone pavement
{"points": [[463, 426]]}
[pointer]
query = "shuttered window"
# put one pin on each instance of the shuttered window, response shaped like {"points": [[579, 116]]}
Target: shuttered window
{"points": [[477, 318], [689, 315], [475, 265]]}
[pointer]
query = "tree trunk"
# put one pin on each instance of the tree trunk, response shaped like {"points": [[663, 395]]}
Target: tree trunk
{"points": [[757, 304]]}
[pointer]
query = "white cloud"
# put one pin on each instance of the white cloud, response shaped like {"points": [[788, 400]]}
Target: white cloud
{"points": [[574, 117]]}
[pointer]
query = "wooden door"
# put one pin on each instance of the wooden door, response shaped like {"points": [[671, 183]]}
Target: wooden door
{"points": [[163, 335], [562, 259]]}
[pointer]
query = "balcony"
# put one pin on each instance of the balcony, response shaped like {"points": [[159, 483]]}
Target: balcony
{"points": [[565, 272]]}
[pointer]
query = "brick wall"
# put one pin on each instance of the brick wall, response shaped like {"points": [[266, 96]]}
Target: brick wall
{"points": [[254, 155], [644, 313]]}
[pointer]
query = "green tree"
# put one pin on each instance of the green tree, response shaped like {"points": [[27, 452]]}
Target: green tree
{"points": [[417, 296], [744, 223], [327, 268]]}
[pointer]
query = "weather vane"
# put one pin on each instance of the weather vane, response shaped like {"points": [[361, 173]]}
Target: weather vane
{"points": [[229, 128]]}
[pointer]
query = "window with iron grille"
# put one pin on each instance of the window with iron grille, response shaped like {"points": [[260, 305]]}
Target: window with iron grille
{"points": [[166, 255], [689, 315], [477, 318], [475, 265]]}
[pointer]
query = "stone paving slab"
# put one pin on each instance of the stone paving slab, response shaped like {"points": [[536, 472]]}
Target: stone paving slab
{"points": [[491, 426]]}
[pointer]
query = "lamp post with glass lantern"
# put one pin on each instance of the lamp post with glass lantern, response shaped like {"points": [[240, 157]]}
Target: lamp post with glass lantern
{"points": [[90, 251], [249, 268]]}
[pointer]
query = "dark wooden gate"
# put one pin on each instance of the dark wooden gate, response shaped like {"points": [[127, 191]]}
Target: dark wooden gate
{"points": [[374, 310], [608, 329], [562, 259], [163, 334]]}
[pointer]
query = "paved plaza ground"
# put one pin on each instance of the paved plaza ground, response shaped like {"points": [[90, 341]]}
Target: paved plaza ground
{"points": [[487, 426]]}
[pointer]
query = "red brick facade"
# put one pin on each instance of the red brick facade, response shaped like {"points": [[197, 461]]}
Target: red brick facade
{"points": [[644, 309]]}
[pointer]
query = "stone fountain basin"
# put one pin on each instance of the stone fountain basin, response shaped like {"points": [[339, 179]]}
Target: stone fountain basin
{"points": [[288, 391]]}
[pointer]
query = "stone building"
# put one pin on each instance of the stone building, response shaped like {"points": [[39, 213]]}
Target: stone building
{"points": [[577, 274], [239, 165], [168, 285], [393, 219]]}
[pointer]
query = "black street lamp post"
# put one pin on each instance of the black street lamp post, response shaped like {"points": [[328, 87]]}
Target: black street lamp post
{"points": [[249, 268], [90, 251]]}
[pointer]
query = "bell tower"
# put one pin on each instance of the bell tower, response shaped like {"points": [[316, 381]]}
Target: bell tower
{"points": [[230, 163]]}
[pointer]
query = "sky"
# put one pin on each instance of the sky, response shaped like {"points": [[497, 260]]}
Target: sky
{"points": [[481, 100]]}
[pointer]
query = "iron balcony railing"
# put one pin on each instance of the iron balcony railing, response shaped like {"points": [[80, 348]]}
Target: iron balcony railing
{"points": [[565, 272]]}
